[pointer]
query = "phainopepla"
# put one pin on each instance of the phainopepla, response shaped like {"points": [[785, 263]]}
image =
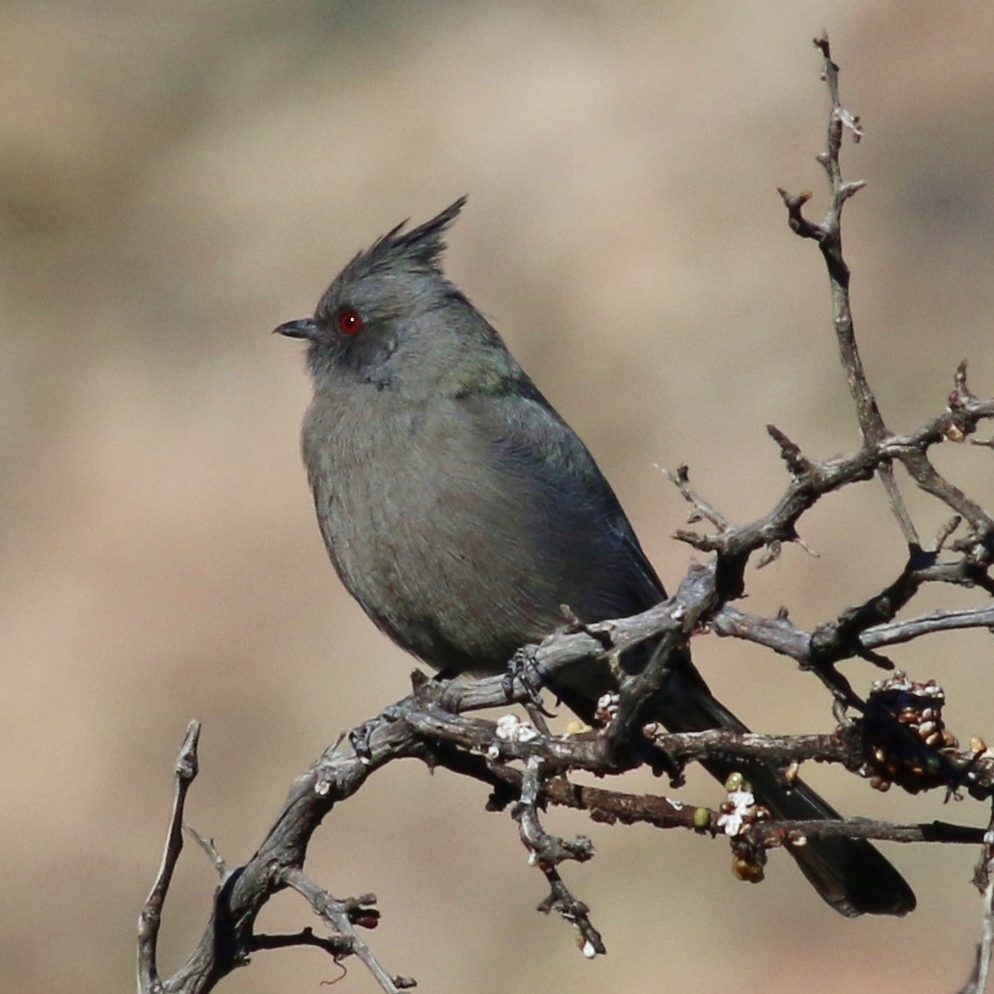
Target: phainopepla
{"points": [[462, 513]]}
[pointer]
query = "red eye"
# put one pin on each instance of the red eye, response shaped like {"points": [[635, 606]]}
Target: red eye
{"points": [[349, 322]]}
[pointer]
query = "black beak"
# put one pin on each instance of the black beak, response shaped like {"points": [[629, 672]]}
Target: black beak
{"points": [[302, 328]]}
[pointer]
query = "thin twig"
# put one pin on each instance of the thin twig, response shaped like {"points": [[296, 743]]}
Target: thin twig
{"points": [[217, 860], [336, 946], [547, 852], [770, 832], [777, 749], [150, 920], [782, 636], [828, 234], [337, 916], [703, 510], [984, 878]]}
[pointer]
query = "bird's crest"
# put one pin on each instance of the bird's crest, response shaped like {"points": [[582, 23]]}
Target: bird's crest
{"points": [[417, 250]]}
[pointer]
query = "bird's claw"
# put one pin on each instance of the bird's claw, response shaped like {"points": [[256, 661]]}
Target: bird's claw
{"points": [[523, 670], [360, 738]]}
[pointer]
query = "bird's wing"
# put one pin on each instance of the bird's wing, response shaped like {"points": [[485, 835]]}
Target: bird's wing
{"points": [[534, 444]]}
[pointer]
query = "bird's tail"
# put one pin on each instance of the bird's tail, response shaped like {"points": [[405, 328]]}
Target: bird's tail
{"points": [[849, 874]]}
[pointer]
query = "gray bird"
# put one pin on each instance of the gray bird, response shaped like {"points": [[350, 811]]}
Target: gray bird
{"points": [[462, 513]]}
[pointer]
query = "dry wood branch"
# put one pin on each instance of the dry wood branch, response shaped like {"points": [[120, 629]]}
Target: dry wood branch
{"points": [[984, 879], [547, 852], [150, 921], [703, 510], [429, 726], [218, 861], [843, 746], [781, 635], [342, 917], [336, 946], [775, 833], [419, 727], [828, 234]]}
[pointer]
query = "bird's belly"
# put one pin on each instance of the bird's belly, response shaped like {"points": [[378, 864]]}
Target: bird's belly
{"points": [[443, 566]]}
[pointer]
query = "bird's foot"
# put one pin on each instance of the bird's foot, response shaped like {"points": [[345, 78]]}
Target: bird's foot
{"points": [[360, 737], [522, 672]]}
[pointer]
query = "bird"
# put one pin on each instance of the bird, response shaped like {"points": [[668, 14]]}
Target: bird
{"points": [[463, 513]]}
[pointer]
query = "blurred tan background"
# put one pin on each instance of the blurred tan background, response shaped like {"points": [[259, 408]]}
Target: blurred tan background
{"points": [[176, 178]]}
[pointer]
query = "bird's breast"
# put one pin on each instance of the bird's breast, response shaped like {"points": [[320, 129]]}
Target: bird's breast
{"points": [[435, 544]]}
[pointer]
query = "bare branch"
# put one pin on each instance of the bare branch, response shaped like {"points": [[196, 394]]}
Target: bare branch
{"points": [[337, 946], [828, 234], [780, 635], [984, 878], [778, 749], [150, 920], [340, 916], [680, 478], [210, 849], [938, 621], [547, 852], [772, 833], [829, 239]]}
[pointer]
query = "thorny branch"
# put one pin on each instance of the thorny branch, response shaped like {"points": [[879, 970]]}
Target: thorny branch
{"points": [[897, 736]]}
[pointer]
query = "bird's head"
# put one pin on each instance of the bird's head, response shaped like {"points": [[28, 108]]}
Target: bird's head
{"points": [[391, 317]]}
